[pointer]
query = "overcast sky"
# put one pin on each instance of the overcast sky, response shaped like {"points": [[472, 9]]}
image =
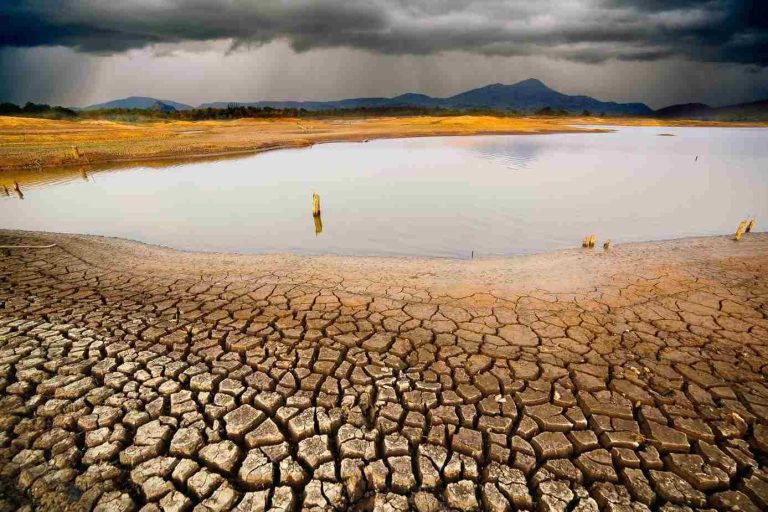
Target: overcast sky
{"points": [[78, 52]]}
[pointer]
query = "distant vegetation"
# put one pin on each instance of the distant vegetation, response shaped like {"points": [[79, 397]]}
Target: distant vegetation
{"points": [[34, 110], [757, 111], [234, 111]]}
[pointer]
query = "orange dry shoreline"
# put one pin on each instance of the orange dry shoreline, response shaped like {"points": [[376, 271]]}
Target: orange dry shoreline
{"points": [[29, 143]]}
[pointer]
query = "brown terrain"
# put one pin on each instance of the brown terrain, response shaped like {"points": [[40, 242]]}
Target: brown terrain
{"points": [[135, 377], [35, 143], [28, 143]]}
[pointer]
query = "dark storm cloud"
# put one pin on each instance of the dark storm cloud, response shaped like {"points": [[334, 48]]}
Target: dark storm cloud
{"points": [[584, 31]]}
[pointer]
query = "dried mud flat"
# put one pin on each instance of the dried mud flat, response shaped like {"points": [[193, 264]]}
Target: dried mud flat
{"points": [[139, 378]]}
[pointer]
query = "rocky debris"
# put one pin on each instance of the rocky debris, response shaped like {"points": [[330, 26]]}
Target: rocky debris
{"points": [[285, 390]]}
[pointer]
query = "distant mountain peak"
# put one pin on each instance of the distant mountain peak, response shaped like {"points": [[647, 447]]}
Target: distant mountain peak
{"points": [[140, 102], [532, 81]]}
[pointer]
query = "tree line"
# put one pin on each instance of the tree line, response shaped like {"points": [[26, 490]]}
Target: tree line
{"points": [[234, 111]]}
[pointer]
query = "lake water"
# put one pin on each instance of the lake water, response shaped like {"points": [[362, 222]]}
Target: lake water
{"points": [[442, 196]]}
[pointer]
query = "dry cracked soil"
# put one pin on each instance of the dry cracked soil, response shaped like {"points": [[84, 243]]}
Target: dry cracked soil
{"points": [[139, 378]]}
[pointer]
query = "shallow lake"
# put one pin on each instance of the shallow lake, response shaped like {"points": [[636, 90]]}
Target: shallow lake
{"points": [[442, 196]]}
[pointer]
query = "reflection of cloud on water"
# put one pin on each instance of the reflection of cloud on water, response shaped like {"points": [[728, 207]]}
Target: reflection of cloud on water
{"points": [[516, 154]]}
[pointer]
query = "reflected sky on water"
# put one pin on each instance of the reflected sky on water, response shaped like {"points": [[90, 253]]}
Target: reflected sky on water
{"points": [[442, 196]]}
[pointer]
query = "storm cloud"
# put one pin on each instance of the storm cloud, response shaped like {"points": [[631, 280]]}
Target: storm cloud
{"points": [[589, 31]]}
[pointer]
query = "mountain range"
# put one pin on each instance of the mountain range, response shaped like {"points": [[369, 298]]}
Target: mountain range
{"points": [[756, 110], [527, 96]]}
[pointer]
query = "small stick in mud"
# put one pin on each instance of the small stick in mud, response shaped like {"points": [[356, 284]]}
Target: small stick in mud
{"points": [[315, 204], [740, 230], [607, 244], [750, 225], [18, 190]]}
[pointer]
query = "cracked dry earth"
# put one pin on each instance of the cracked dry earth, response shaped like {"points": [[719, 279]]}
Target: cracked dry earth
{"points": [[139, 378]]}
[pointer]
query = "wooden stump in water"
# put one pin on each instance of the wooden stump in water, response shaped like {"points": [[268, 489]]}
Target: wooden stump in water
{"points": [[315, 204], [740, 230], [750, 225], [607, 244], [589, 241], [318, 224]]}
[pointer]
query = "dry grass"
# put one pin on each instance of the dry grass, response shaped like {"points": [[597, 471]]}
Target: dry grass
{"points": [[35, 143]]}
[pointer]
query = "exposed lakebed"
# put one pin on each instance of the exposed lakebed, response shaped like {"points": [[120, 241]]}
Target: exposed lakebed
{"points": [[439, 196]]}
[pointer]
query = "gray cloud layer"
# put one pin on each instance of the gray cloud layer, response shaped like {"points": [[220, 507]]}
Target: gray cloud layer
{"points": [[733, 31]]}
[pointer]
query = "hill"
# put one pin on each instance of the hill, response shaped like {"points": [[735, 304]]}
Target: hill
{"points": [[531, 95], [753, 111], [140, 102], [685, 111]]}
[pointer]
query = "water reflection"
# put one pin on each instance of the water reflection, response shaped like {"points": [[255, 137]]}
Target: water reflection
{"points": [[517, 155]]}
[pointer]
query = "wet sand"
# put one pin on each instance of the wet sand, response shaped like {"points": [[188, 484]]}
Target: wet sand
{"points": [[133, 375]]}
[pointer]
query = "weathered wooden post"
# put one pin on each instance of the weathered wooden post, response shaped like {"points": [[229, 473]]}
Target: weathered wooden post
{"points": [[315, 204], [740, 230], [750, 225]]}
